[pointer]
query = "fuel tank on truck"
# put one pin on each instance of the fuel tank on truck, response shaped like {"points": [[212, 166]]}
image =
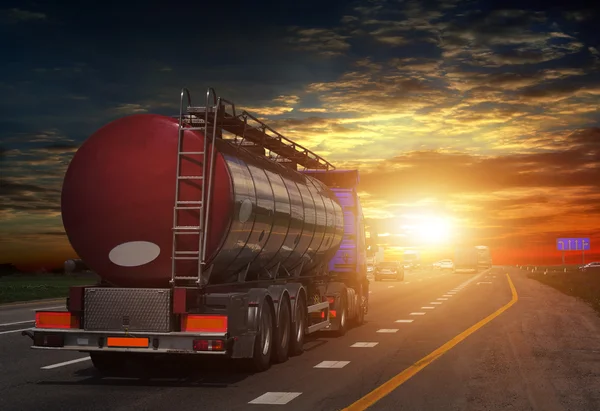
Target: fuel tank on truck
{"points": [[119, 192]]}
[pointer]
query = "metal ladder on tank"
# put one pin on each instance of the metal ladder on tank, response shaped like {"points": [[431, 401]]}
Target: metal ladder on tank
{"points": [[202, 205]]}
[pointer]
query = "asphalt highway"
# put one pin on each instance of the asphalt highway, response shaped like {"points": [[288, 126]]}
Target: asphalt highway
{"points": [[541, 353]]}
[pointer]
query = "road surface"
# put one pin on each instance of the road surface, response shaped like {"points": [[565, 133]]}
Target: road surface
{"points": [[542, 353]]}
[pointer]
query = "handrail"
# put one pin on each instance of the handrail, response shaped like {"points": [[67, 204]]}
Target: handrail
{"points": [[293, 143]]}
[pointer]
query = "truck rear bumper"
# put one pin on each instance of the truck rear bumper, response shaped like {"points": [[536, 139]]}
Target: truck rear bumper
{"points": [[119, 341]]}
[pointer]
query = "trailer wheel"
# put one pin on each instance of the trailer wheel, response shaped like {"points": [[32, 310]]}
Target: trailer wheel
{"points": [[108, 362], [282, 333], [360, 315], [263, 344], [342, 315], [298, 328]]}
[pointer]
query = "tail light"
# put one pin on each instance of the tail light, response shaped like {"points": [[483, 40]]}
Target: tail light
{"points": [[56, 319], [209, 345]]}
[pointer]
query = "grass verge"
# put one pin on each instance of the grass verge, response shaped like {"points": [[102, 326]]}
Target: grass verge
{"points": [[585, 286], [17, 288]]}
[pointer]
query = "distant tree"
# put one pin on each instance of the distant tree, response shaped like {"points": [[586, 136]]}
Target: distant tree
{"points": [[58, 270], [8, 269]]}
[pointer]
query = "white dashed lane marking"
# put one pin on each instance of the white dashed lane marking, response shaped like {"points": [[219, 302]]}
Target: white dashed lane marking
{"points": [[417, 313], [387, 330], [56, 307], [332, 364], [447, 295], [279, 398], [442, 299], [435, 303], [404, 321], [364, 344], [427, 308]]}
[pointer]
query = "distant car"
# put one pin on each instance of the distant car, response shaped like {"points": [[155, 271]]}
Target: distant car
{"points": [[389, 270], [446, 265], [443, 265], [593, 267]]}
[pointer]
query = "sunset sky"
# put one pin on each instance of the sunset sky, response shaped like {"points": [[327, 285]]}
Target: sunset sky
{"points": [[482, 116]]}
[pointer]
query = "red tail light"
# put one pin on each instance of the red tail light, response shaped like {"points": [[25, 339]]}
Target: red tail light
{"points": [[209, 345]]}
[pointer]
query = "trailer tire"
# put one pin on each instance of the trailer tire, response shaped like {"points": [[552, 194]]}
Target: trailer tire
{"points": [[360, 315], [342, 315], [263, 343], [298, 327], [281, 347], [108, 362]]}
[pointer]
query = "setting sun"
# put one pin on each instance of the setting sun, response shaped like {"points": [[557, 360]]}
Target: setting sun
{"points": [[429, 229]]}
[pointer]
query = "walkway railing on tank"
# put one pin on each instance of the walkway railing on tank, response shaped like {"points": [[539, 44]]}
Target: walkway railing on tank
{"points": [[261, 134]]}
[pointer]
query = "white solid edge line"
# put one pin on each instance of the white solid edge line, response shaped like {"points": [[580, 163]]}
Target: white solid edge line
{"points": [[49, 308], [61, 364], [14, 331], [17, 322]]}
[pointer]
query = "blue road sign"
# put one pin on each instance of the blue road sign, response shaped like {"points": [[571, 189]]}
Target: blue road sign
{"points": [[572, 244]]}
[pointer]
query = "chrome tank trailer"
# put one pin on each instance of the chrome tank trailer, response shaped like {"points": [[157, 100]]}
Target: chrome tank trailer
{"points": [[117, 209]]}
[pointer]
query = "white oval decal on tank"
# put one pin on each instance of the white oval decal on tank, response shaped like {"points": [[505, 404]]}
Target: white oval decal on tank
{"points": [[134, 253], [245, 210]]}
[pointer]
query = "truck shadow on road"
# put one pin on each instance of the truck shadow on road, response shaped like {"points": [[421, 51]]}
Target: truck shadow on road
{"points": [[175, 372], [219, 373]]}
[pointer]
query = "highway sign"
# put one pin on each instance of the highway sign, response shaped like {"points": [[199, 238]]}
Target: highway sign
{"points": [[572, 244]]}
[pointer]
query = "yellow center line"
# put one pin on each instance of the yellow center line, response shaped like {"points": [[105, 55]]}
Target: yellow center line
{"points": [[396, 381]]}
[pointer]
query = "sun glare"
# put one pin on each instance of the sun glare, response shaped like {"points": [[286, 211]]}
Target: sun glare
{"points": [[430, 229]]}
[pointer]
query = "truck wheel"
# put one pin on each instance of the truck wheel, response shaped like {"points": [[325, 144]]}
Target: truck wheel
{"points": [[298, 328], [342, 316], [360, 316], [282, 333], [263, 344], [108, 362]]}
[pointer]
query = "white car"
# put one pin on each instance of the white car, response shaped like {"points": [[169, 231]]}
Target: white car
{"points": [[444, 265]]}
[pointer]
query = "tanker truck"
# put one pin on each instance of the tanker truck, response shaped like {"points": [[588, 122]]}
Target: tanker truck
{"points": [[484, 260], [213, 234]]}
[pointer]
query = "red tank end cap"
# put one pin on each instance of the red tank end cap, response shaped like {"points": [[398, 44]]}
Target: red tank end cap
{"points": [[118, 197]]}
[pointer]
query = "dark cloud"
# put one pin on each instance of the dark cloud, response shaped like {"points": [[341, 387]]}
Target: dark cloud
{"points": [[434, 172], [16, 15], [11, 188]]}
